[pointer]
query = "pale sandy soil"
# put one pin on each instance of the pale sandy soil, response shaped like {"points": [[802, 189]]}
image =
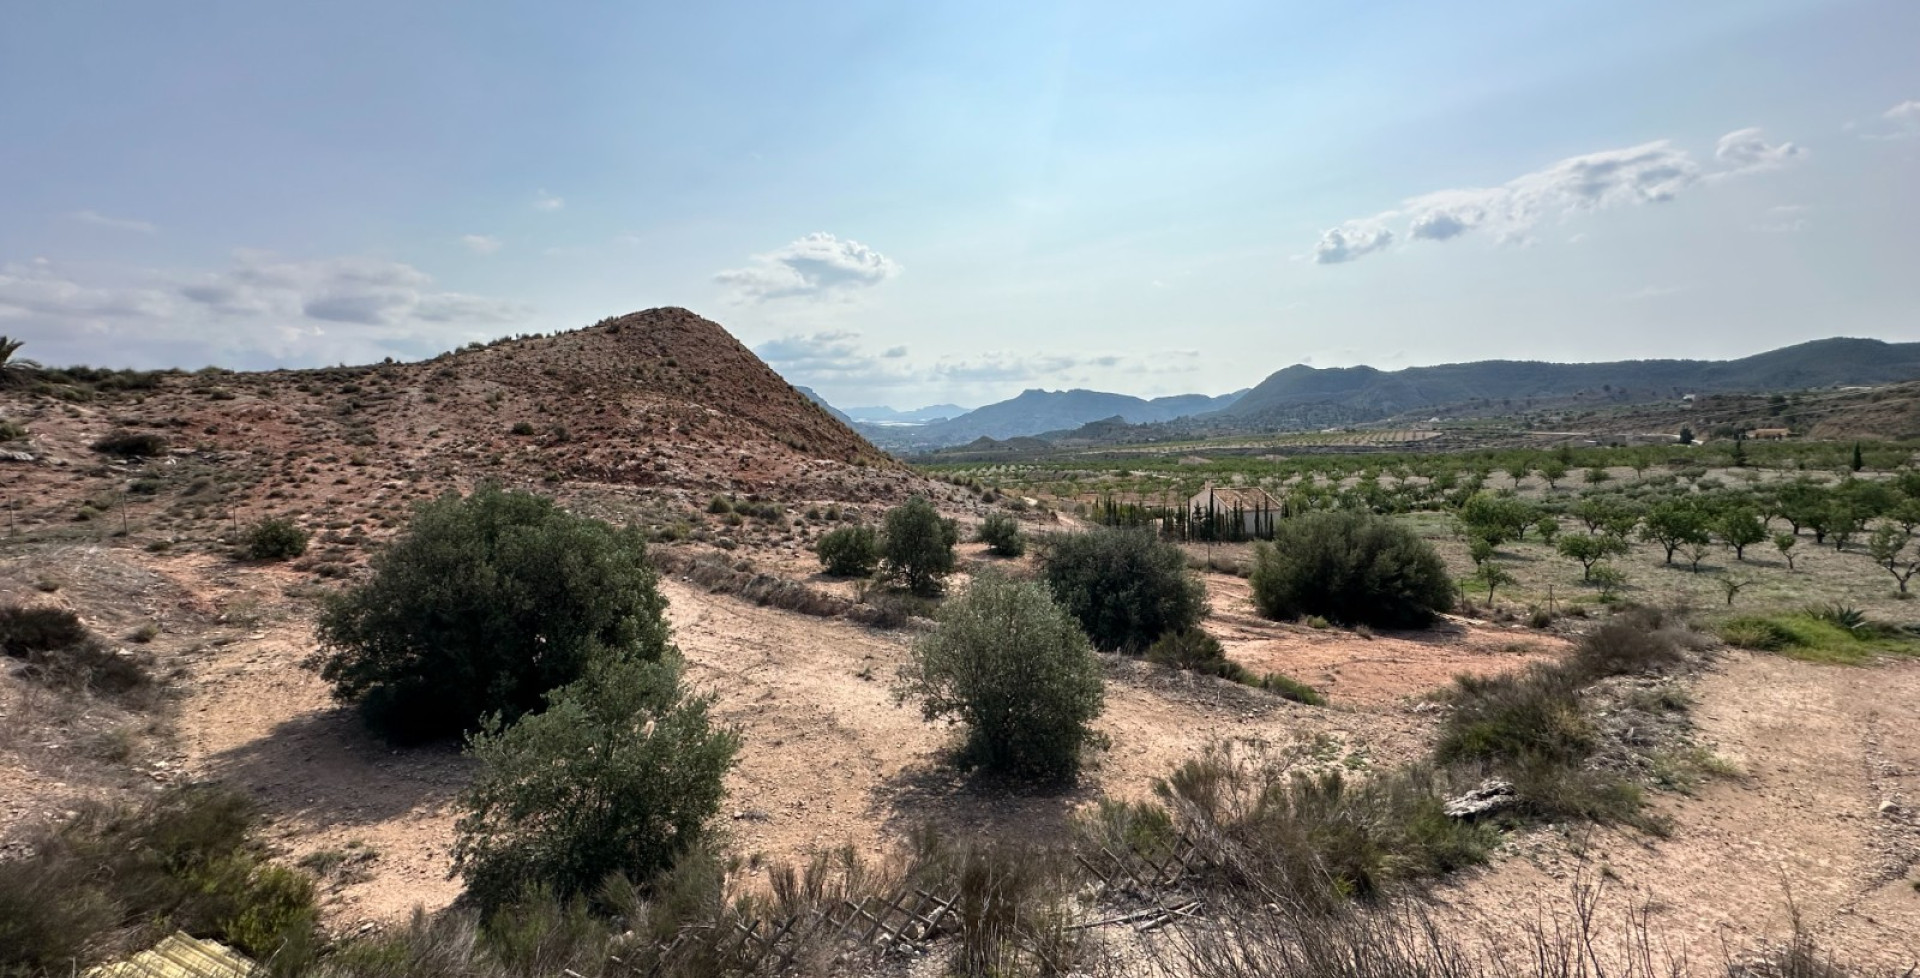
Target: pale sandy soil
{"points": [[830, 758], [1821, 749]]}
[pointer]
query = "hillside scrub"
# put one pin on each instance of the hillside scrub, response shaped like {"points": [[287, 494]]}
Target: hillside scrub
{"points": [[620, 774], [276, 539], [918, 545], [1125, 586], [1533, 729], [481, 606], [112, 880], [1193, 650], [1014, 668], [848, 551], [1000, 531], [1351, 568], [59, 652]]}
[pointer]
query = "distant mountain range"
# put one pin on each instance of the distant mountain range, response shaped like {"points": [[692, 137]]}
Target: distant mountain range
{"points": [[1036, 411], [838, 415], [887, 415], [1306, 397]]}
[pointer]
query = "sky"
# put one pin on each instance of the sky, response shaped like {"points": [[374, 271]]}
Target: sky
{"points": [[903, 204]]}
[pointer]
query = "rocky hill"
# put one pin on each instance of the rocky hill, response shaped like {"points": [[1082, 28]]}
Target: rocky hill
{"points": [[661, 398]]}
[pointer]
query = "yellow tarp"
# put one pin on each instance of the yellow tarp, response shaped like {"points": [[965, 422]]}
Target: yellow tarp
{"points": [[181, 956]]}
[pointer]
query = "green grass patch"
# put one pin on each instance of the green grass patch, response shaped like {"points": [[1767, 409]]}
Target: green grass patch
{"points": [[1804, 636]]}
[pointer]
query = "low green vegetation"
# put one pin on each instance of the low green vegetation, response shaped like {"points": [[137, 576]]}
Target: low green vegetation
{"points": [[1125, 586], [1833, 633], [1013, 668], [632, 760], [111, 880], [276, 539], [1193, 650], [917, 546], [1000, 531], [848, 551], [1352, 568], [480, 607]]}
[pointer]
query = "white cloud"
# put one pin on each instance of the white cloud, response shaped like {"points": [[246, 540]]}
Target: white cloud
{"points": [[1350, 241], [816, 266], [40, 289], [547, 202], [1650, 173], [261, 306], [481, 244], [98, 219], [1747, 151], [1907, 113]]}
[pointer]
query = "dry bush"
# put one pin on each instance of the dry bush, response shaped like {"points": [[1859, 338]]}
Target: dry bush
{"points": [[1591, 935]]}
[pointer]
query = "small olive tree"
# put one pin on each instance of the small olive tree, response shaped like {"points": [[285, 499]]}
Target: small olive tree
{"points": [[621, 773], [850, 551], [1126, 586], [483, 605], [1351, 567], [1000, 531], [919, 545], [1015, 669]]}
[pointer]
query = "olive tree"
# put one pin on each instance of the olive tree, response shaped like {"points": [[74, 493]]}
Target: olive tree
{"points": [[1125, 586], [621, 773], [918, 545], [1014, 668], [481, 606]]}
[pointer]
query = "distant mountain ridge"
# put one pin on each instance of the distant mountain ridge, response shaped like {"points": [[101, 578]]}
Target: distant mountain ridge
{"points": [[883, 415], [1301, 396], [1036, 411], [838, 415]]}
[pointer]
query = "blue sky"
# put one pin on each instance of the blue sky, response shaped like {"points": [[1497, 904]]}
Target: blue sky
{"points": [[910, 203]]}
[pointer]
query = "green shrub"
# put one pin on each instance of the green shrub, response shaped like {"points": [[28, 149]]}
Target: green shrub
{"points": [[11, 430], [276, 539], [1016, 670], [1001, 533], [1125, 586], [621, 773], [111, 880], [848, 551], [523, 429], [132, 444], [1288, 688], [918, 545], [483, 605], [1195, 651], [1353, 568], [1530, 728]]}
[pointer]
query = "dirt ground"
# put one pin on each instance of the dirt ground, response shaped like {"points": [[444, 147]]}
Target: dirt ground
{"points": [[1824, 809], [1822, 818]]}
